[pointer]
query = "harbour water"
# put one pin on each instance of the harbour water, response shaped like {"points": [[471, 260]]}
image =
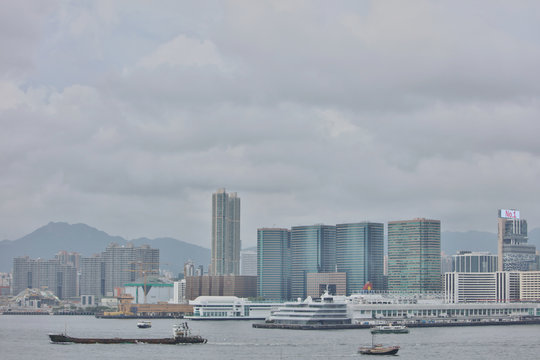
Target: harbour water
{"points": [[25, 337]]}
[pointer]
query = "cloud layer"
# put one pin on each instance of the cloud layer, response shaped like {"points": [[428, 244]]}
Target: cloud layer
{"points": [[127, 115]]}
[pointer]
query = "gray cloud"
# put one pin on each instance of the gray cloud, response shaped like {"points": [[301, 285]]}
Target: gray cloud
{"points": [[127, 116]]}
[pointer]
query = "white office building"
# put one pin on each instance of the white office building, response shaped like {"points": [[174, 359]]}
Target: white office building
{"points": [[500, 286]]}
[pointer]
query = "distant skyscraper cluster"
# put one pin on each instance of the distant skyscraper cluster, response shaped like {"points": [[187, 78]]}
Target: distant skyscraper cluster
{"points": [[225, 234], [307, 260], [70, 275]]}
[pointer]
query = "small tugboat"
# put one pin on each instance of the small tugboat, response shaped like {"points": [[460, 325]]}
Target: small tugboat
{"points": [[181, 335], [390, 329], [144, 324]]}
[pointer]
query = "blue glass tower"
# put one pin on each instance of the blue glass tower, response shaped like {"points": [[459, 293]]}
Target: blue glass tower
{"points": [[313, 250], [360, 254], [273, 263]]}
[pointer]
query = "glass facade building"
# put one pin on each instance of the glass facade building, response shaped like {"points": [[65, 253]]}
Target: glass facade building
{"points": [[414, 255], [313, 250], [273, 263], [515, 254], [360, 254]]}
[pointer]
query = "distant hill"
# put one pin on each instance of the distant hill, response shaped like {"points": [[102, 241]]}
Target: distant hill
{"points": [[48, 240]]}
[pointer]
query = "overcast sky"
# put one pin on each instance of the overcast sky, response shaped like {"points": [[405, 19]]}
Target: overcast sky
{"points": [[128, 115]]}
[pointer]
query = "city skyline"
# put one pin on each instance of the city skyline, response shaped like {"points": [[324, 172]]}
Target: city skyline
{"points": [[127, 115]]}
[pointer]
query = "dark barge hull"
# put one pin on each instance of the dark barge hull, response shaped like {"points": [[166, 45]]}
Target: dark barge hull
{"points": [[60, 338]]}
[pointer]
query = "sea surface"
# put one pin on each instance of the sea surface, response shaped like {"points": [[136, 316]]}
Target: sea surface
{"points": [[25, 337]]}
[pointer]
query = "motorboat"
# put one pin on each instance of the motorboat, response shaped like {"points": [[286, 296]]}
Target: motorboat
{"points": [[144, 324]]}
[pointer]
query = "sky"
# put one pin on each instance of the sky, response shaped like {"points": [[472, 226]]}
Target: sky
{"points": [[128, 115]]}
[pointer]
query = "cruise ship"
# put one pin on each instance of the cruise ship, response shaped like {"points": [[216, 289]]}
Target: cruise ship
{"points": [[329, 310]]}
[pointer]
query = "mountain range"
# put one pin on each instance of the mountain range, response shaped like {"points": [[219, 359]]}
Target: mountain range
{"points": [[48, 240]]}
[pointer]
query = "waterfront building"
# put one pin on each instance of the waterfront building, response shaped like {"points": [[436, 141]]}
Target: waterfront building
{"points": [[373, 309], [335, 283], [313, 250], [40, 274], [529, 286], [221, 285], [414, 255], [229, 308], [360, 254], [273, 263], [467, 261], [225, 233], [248, 262], [500, 286], [515, 254]]}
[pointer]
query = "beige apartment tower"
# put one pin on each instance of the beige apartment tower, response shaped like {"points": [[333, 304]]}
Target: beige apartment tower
{"points": [[225, 233]]}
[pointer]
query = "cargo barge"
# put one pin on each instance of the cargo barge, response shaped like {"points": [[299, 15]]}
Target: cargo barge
{"points": [[182, 335]]}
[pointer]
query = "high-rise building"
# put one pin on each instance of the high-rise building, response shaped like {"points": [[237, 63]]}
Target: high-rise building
{"points": [[220, 285], [248, 263], [360, 254], [51, 275], [125, 264], [515, 254], [414, 255], [313, 250], [467, 261], [225, 233], [273, 263], [92, 276], [189, 269]]}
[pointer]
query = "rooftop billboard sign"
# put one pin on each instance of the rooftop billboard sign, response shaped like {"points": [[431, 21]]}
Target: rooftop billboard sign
{"points": [[508, 214]]}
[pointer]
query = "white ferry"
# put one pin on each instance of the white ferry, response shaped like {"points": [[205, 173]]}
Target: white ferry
{"points": [[229, 308], [329, 310]]}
